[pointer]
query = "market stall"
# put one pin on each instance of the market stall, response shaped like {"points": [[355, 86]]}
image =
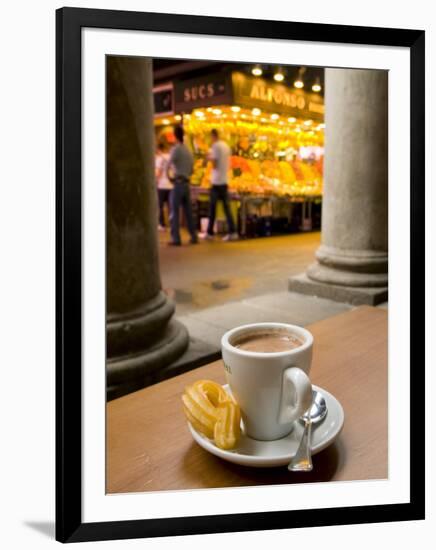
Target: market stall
{"points": [[276, 134]]}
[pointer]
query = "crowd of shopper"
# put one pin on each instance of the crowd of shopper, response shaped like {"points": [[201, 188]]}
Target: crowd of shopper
{"points": [[173, 171]]}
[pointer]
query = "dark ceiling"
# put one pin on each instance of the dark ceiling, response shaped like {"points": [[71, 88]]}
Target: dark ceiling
{"points": [[169, 69]]}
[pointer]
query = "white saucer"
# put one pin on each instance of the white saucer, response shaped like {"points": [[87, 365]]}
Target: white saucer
{"points": [[266, 454]]}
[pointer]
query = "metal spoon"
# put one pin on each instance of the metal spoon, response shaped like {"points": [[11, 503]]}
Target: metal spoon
{"points": [[302, 460]]}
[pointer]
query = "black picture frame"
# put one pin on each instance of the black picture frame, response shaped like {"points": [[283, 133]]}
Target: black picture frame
{"points": [[69, 525]]}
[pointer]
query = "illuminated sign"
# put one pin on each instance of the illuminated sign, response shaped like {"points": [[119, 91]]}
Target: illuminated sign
{"points": [[269, 96], [240, 89]]}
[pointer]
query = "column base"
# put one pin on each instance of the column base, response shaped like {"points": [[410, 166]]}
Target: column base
{"points": [[339, 293], [133, 371]]}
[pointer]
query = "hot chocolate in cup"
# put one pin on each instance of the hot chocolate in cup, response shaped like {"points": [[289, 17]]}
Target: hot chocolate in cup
{"points": [[267, 367]]}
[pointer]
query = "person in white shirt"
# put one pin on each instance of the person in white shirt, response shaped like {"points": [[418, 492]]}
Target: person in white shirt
{"points": [[219, 155], [163, 184]]}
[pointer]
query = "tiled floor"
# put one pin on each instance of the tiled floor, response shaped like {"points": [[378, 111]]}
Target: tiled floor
{"points": [[215, 273], [217, 286]]}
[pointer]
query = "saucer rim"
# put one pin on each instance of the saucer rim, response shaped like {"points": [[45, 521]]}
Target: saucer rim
{"points": [[271, 461]]}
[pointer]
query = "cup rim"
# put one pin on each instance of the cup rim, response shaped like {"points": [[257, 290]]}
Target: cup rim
{"points": [[300, 331]]}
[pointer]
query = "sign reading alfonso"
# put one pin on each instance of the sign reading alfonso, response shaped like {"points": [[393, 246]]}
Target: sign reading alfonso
{"points": [[269, 96]]}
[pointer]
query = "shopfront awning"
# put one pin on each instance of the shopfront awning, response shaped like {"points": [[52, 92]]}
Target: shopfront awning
{"points": [[237, 88]]}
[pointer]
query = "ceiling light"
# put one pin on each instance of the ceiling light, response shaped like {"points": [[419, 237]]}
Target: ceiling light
{"points": [[292, 119], [274, 116], [216, 111], [279, 76], [256, 71], [256, 111], [298, 82], [165, 121], [178, 117], [235, 108], [316, 87]]}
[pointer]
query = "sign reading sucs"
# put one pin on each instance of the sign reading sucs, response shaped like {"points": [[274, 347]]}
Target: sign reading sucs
{"points": [[202, 92]]}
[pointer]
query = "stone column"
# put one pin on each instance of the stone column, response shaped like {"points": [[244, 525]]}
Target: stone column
{"points": [[352, 261], [142, 337]]}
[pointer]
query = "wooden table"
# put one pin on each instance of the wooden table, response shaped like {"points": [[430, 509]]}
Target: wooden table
{"points": [[149, 447]]}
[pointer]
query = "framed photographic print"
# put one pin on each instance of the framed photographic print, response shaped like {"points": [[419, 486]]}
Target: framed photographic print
{"points": [[240, 274]]}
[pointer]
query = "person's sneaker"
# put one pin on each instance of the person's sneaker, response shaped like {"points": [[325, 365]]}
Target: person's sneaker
{"points": [[172, 243], [206, 237], [161, 228], [193, 241], [231, 237]]}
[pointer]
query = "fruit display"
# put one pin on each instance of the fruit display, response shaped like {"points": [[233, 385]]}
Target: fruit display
{"points": [[271, 154], [276, 177], [213, 412]]}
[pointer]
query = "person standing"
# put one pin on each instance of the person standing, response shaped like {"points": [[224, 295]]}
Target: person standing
{"points": [[180, 163], [164, 186], [219, 155]]}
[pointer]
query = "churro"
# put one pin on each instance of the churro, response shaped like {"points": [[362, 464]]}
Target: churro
{"points": [[213, 412]]}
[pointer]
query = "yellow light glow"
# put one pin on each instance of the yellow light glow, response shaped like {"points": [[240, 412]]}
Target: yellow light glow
{"points": [[216, 111], [178, 117], [199, 114], [263, 120], [279, 77], [281, 122], [256, 71], [235, 108], [243, 115], [165, 121], [187, 117], [308, 122], [274, 116], [299, 84], [316, 88], [292, 119], [256, 111]]}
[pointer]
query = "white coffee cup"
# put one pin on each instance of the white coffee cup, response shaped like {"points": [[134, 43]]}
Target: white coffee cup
{"points": [[272, 388]]}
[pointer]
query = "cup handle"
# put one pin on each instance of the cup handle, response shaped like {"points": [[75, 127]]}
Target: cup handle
{"points": [[296, 395]]}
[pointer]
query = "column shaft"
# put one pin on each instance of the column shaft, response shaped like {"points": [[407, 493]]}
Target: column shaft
{"points": [[141, 336], [354, 240]]}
